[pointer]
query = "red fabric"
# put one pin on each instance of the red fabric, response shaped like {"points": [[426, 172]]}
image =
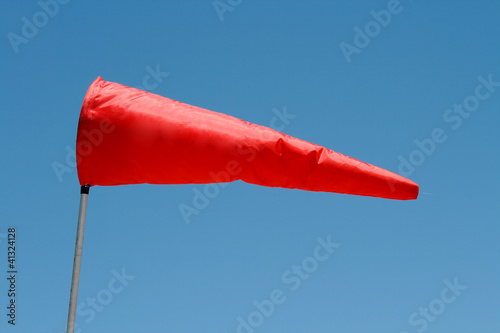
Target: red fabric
{"points": [[129, 136]]}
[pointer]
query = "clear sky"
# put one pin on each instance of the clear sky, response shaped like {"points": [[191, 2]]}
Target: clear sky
{"points": [[410, 86]]}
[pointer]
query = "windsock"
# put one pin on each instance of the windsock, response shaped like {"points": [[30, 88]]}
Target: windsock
{"points": [[129, 136]]}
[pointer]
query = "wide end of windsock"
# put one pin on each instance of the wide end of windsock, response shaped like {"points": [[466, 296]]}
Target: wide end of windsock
{"points": [[129, 136]]}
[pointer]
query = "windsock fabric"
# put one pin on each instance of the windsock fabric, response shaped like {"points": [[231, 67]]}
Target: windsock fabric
{"points": [[129, 136]]}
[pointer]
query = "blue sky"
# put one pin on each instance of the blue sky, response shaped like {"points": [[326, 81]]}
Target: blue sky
{"points": [[422, 86]]}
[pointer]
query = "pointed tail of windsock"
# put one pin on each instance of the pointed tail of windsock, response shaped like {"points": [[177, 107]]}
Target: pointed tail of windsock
{"points": [[129, 136]]}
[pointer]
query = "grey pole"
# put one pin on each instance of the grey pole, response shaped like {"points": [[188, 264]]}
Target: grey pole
{"points": [[78, 259]]}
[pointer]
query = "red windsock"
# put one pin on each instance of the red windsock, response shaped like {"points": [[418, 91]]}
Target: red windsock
{"points": [[129, 136]]}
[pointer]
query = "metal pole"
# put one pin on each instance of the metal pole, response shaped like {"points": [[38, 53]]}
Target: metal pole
{"points": [[78, 259]]}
